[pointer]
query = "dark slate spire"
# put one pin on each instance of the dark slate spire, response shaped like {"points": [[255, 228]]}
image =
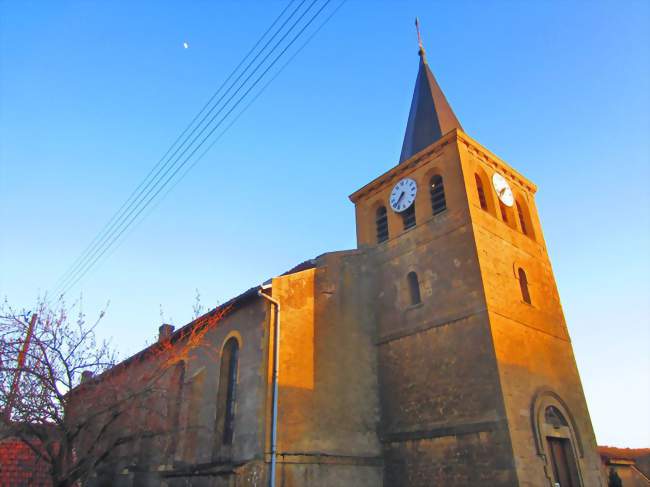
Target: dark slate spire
{"points": [[430, 117]]}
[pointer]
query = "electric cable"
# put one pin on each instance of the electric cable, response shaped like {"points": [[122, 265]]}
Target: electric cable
{"points": [[224, 131], [100, 238], [132, 217], [167, 168]]}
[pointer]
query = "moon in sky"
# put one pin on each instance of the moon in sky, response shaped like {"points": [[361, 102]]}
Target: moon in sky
{"points": [[186, 44]]}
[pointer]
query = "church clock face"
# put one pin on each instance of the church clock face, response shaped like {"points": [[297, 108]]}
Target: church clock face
{"points": [[503, 190], [403, 195]]}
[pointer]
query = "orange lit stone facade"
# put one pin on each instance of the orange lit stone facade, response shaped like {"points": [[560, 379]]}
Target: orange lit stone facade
{"points": [[436, 356], [466, 376], [378, 390]]}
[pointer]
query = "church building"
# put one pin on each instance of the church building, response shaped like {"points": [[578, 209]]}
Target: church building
{"points": [[434, 354]]}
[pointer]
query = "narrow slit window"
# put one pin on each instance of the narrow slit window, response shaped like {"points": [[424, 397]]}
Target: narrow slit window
{"points": [[481, 192], [229, 426], [381, 223], [414, 287], [437, 191], [408, 217], [523, 285]]}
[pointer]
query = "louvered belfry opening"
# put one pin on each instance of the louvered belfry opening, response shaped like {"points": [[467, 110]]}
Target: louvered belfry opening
{"points": [[408, 217], [481, 192], [504, 212], [437, 192], [522, 220], [381, 223]]}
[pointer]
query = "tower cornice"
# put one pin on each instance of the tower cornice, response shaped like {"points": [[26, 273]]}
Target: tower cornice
{"points": [[425, 155], [496, 162], [405, 167]]}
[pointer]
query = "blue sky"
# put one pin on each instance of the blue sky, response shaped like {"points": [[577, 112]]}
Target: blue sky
{"points": [[93, 93]]}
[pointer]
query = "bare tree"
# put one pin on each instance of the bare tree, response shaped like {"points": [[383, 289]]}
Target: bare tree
{"points": [[198, 308], [63, 396]]}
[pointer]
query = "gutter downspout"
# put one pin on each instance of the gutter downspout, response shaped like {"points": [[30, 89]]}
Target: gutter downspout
{"points": [[276, 369]]}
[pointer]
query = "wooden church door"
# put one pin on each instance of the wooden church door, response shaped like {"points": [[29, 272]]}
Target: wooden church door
{"points": [[564, 467]]}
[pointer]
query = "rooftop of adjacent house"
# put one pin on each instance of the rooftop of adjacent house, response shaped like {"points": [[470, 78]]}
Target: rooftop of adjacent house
{"points": [[612, 452]]}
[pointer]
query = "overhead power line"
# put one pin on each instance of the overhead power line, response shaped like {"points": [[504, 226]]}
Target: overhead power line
{"points": [[165, 173], [152, 176], [133, 197], [216, 139], [146, 196], [127, 215], [257, 95]]}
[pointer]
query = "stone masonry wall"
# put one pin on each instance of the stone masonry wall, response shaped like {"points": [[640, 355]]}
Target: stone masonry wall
{"points": [[531, 341], [328, 404], [443, 418]]}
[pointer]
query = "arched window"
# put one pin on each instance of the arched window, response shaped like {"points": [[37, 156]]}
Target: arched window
{"points": [[504, 212], [437, 192], [408, 217], [524, 219], [227, 393], [554, 417], [523, 286], [381, 223], [481, 192], [414, 287]]}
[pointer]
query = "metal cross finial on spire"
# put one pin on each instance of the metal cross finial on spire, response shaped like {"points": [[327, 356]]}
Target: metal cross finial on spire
{"points": [[421, 52]]}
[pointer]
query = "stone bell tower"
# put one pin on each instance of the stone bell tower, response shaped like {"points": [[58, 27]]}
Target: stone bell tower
{"points": [[477, 377]]}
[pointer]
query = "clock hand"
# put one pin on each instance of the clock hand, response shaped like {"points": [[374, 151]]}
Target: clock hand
{"points": [[400, 198]]}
